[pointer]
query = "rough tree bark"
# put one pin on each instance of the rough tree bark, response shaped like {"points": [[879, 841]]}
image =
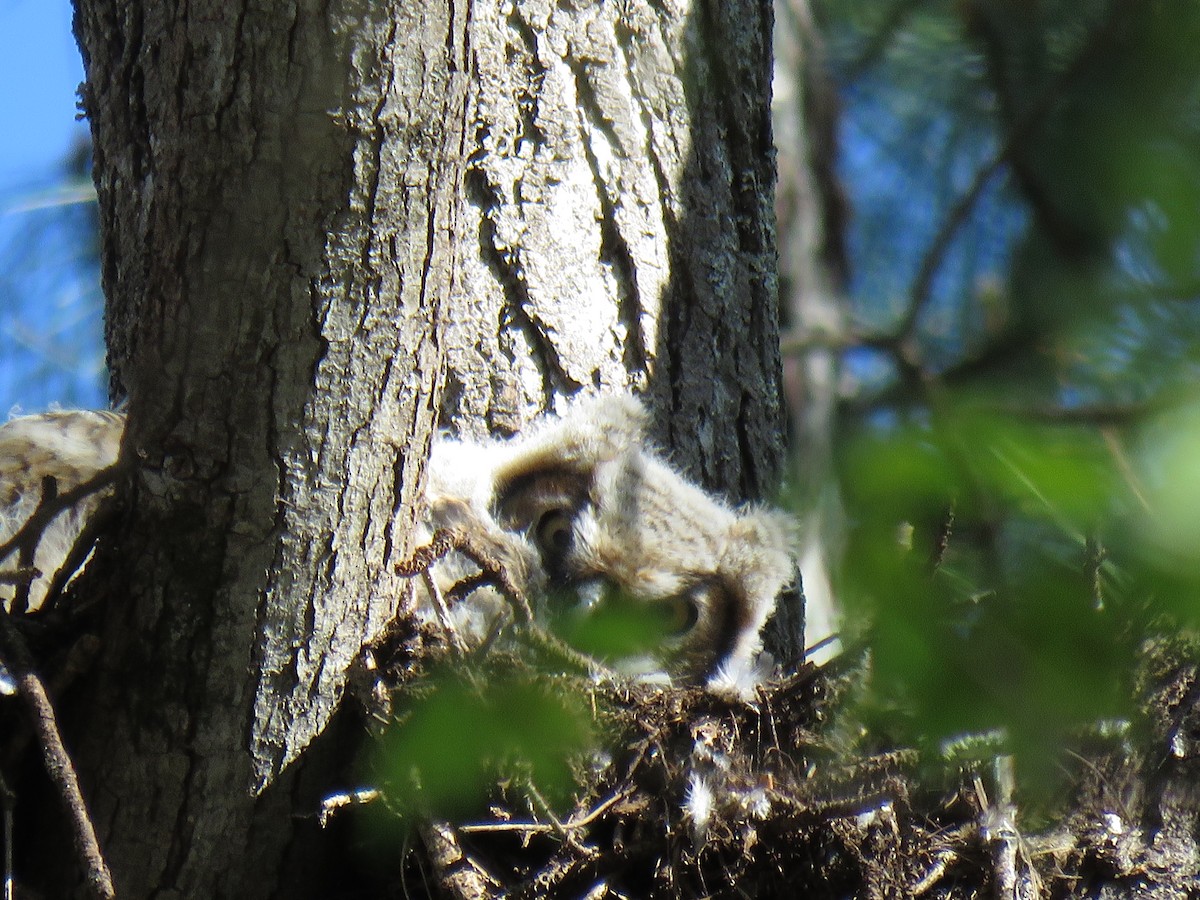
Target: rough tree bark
{"points": [[277, 187], [295, 250], [623, 192]]}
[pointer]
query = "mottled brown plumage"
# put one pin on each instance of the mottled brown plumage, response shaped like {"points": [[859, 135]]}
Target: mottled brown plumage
{"points": [[585, 518], [69, 446], [593, 522]]}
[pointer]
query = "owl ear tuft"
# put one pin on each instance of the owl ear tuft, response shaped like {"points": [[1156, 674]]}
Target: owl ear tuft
{"points": [[600, 428], [590, 431]]}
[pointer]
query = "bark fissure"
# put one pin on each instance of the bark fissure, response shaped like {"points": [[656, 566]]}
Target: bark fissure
{"points": [[614, 248]]}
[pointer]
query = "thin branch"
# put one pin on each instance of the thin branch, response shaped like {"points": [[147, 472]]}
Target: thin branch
{"points": [[820, 645], [881, 37], [1132, 480], [335, 803], [27, 549], [26, 539], [57, 760], [443, 612], [8, 802], [493, 572], [458, 874], [460, 590], [48, 508], [935, 873], [942, 544], [567, 837], [446, 541], [21, 575], [1013, 879], [1069, 237], [1095, 556], [97, 523], [572, 824], [921, 290], [553, 645]]}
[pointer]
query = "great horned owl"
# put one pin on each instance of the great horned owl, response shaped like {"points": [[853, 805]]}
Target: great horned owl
{"points": [[588, 521], [584, 518], [71, 447]]}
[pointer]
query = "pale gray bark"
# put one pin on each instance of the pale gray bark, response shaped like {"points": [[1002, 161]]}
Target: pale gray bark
{"points": [[275, 188], [622, 194]]}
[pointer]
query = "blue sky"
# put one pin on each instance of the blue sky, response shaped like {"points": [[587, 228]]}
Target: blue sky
{"points": [[51, 349], [40, 69]]}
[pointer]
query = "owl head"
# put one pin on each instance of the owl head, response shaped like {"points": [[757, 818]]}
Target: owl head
{"points": [[615, 549]]}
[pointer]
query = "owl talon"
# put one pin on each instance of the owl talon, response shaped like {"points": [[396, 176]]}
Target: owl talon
{"points": [[491, 571]]}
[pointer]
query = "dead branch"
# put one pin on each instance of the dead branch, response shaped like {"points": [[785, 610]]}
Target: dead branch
{"points": [[493, 573], [457, 873], [446, 541], [54, 754], [29, 535], [8, 801]]}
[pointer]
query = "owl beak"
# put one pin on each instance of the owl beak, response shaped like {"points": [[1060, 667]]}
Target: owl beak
{"points": [[589, 596], [580, 600]]}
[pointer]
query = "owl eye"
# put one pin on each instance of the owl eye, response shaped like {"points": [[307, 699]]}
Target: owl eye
{"points": [[678, 614], [553, 533]]}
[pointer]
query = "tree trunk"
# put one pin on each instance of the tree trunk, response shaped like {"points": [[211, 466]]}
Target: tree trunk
{"points": [[622, 194], [278, 197], [294, 259]]}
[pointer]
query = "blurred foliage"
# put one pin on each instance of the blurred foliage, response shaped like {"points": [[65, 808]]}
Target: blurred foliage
{"points": [[492, 718], [466, 728], [1020, 438], [615, 627], [975, 550]]}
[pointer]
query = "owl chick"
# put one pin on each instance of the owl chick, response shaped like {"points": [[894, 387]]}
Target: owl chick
{"points": [[595, 527], [585, 519], [69, 446]]}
